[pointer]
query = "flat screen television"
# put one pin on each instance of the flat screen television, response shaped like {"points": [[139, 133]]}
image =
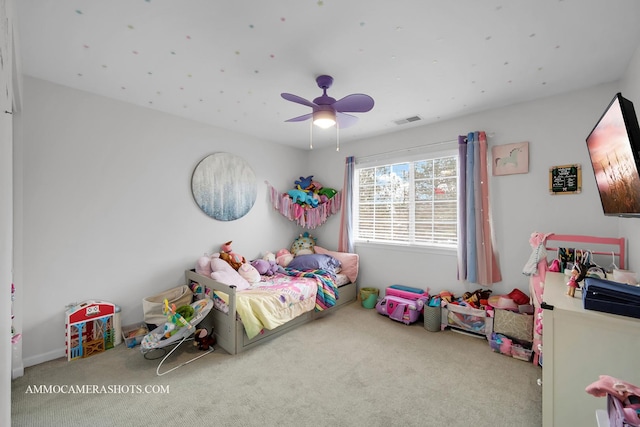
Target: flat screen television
{"points": [[614, 150]]}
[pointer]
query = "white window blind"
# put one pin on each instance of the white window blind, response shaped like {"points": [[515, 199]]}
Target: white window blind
{"points": [[411, 202]]}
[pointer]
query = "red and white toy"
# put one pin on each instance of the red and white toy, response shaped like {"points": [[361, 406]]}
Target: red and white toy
{"points": [[89, 328]]}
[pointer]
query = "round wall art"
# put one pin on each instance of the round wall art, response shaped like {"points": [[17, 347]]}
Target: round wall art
{"points": [[224, 186]]}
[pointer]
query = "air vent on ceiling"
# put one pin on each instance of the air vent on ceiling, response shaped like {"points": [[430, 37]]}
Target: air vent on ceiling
{"points": [[408, 120]]}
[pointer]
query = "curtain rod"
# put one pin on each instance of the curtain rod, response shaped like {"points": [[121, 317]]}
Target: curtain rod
{"points": [[409, 149]]}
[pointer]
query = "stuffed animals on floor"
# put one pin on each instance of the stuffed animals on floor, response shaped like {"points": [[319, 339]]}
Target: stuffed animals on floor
{"points": [[203, 339]]}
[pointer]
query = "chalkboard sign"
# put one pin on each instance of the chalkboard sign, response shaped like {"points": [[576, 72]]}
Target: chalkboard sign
{"points": [[565, 179]]}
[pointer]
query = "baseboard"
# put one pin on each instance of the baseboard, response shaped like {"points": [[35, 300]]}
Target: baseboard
{"points": [[44, 357], [17, 372]]}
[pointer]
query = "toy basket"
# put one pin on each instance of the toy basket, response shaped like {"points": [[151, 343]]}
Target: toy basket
{"points": [[152, 306], [369, 297]]}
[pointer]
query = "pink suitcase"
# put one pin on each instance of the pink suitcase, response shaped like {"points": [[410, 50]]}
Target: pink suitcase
{"points": [[400, 309]]}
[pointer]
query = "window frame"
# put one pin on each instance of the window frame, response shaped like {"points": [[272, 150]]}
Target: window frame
{"points": [[428, 153]]}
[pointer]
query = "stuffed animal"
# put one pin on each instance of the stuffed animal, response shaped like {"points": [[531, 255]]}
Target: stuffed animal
{"points": [[231, 257], [315, 186], [311, 200], [264, 267], [303, 244], [269, 256], [327, 192], [249, 273], [304, 183], [224, 273], [203, 265], [283, 257], [203, 339], [298, 196], [627, 393]]}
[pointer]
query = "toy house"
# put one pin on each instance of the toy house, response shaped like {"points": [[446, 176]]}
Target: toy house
{"points": [[90, 328]]}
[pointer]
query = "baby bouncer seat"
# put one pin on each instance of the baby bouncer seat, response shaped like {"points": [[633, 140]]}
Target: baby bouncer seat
{"points": [[180, 326]]}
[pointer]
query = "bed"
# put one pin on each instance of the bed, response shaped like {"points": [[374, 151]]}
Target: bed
{"points": [[244, 318], [608, 252]]}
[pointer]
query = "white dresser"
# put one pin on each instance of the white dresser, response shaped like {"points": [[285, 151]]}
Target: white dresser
{"points": [[578, 346]]}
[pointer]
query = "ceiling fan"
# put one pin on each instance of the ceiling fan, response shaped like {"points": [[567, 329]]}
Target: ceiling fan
{"points": [[326, 111]]}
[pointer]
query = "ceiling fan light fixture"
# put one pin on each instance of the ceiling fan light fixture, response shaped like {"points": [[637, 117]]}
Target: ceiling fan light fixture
{"points": [[324, 118]]}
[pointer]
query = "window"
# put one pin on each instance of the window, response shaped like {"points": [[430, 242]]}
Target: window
{"points": [[411, 202]]}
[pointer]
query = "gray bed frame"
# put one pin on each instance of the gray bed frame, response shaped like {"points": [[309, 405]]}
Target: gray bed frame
{"points": [[229, 330]]}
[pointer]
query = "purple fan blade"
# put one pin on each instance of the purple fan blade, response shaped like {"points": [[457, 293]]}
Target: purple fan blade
{"points": [[354, 103], [345, 120], [297, 99], [300, 118]]}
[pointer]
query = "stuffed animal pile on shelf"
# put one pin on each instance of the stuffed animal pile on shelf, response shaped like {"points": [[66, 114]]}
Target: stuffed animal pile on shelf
{"points": [[309, 203]]}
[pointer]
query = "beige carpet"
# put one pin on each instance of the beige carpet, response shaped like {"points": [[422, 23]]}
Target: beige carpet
{"points": [[353, 367]]}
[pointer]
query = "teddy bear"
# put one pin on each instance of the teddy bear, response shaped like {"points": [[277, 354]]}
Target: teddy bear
{"points": [[264, 267], [231, 257], [203, 339]]}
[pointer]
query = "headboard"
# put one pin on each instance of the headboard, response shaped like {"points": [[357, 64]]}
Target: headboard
{"points": [[614, 247]]}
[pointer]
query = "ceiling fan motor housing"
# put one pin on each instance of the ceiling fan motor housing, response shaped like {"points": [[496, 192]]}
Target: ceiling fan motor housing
{"points": [[324, 81]]}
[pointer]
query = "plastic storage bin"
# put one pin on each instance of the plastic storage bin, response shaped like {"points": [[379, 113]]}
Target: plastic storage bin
{"points": [[467, 319], [134, 340], [522, 353], [510, 347]]}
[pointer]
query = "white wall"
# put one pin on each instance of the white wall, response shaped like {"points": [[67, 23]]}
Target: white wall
{"points": [[630, 227], [6, 205], [108, 210], [555, 128]]}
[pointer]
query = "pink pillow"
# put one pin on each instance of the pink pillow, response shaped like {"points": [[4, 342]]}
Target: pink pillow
{"points": [[224, 273], [350, 262]]}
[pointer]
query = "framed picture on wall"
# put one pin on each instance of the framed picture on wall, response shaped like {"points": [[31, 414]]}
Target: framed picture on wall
{"points": [[565, 179], [224, 186], [510, 159]]}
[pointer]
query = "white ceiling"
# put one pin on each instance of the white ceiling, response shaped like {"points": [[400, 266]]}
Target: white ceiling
{"points": [[225, 62]]}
